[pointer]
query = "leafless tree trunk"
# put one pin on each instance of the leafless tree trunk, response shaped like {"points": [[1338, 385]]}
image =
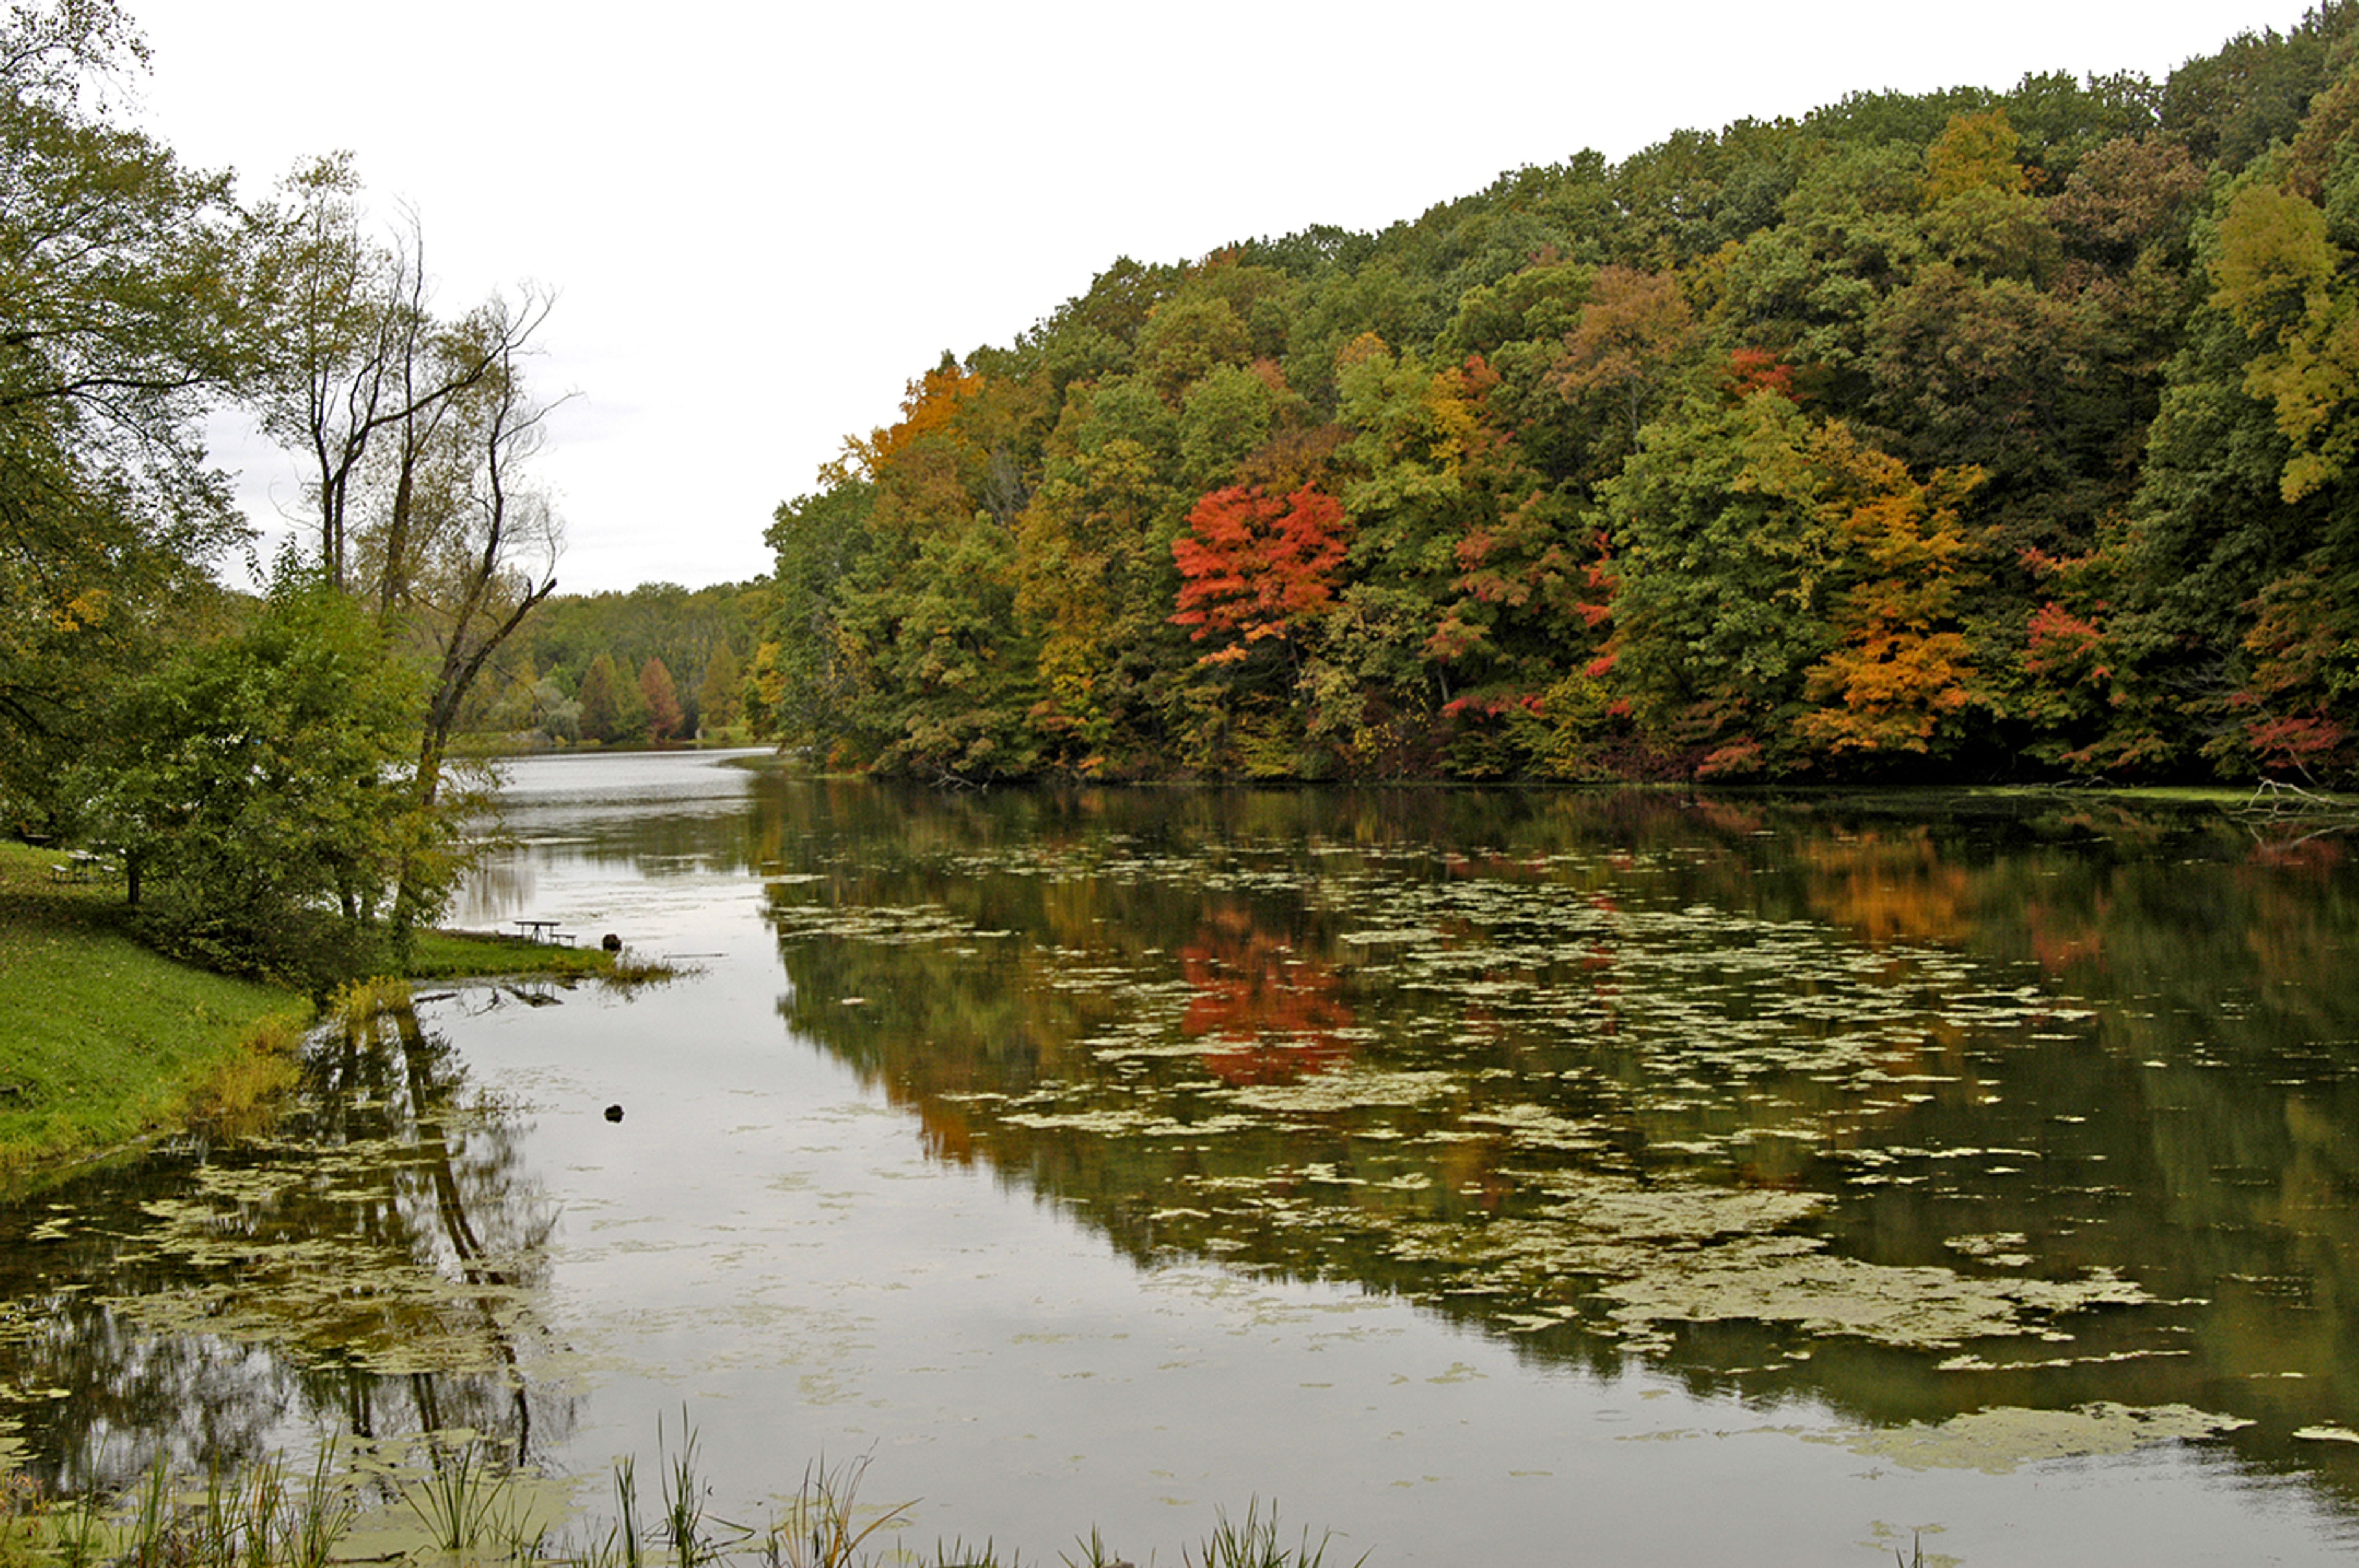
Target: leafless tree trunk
{"points": [[468, 549], [361, 357], [416, 429]]}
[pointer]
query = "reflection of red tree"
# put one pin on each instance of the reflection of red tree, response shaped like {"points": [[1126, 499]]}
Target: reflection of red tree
{"points": [[2059, 942], [1275, 1017], [2314, 856], [948, 1136], [1728, 819]]}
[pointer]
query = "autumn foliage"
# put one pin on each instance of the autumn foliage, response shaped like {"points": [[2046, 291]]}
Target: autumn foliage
{"points": [[1972, 435], [1255, 566], [1265, 1013]]}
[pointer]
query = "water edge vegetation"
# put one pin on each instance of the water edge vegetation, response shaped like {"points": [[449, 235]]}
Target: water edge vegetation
{"points": [[110, 1041], [450, 1501]]}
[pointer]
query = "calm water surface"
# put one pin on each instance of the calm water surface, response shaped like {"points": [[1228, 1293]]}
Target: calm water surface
{"points": [[1554, 1177]]}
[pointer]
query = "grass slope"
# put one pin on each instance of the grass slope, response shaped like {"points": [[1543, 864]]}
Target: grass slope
{"points": [[104, 1041], [101, 1039]]}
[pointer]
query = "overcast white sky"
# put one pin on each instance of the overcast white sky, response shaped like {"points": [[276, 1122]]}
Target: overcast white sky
{"points": [[761, 221]]}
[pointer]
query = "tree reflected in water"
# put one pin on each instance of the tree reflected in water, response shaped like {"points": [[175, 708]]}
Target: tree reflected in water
{"points": [[369, 1267], [1918, 1106], [1266, 1015]]}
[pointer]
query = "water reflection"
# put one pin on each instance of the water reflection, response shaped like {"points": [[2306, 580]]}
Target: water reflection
{"points": [[1782, 1124], [1264, 1015], [370, 1268], [1917, 1107]]}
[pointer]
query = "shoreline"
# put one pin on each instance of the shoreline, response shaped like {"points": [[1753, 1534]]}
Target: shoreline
{"points": [[106, 1044]]}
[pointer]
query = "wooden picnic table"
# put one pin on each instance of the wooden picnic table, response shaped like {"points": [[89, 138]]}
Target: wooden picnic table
{"points": [[542, 930]]}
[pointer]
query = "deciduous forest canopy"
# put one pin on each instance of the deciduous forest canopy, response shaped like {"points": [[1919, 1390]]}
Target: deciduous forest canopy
{"points": [[1971, 435], [1966, 435]]}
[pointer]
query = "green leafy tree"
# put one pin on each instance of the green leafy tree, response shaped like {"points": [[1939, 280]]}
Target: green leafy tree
{"points": [[808, 691], [1228, 416], [1850, 232], [719, 700], [123, 321], [968, 677], [654, 620], [1188, 335], [1094, 574], [942, 676], [1723, 560], [1438, 558], [601, 702], [2284, 278], [2241, 601], [255, 785], [2230, 106], [556, 715]]}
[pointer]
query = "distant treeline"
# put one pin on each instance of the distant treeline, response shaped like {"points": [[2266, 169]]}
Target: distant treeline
{"points": [[656, 665], [1963, 435]]}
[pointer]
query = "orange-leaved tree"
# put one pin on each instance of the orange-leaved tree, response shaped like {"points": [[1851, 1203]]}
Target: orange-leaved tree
{"points": [[1903, 671], [2292, 707], [1257, 567], [661, 695]]}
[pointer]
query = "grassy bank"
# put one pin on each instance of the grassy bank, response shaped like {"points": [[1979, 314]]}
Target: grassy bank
{"points": [[454, 955], [103, 1042]]}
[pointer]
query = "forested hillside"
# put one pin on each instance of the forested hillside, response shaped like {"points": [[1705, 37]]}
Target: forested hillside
{"points": [[1976, 435]]}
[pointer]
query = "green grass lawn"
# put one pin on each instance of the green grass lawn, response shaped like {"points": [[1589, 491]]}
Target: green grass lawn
{"points": [[452, 955], [104, 1041]]}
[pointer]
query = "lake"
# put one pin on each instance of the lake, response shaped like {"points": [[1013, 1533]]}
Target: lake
{"points": [[1617, 1177]]}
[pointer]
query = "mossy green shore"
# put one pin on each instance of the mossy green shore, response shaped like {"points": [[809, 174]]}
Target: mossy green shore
{"points": [[105, 1041]]}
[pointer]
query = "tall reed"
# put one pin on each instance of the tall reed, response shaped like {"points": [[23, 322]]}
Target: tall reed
{"points": [[1254, 1543], [821, 1528], [470, 1510]]}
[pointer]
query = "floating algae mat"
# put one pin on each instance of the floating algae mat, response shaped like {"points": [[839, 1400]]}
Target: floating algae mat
{"points": [[2004, 1439], [1454, 1165], [1769, 1094], [1551, 1095], [382, 1251]]}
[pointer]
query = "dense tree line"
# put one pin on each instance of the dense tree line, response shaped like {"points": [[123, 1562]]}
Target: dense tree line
{"points": [[272, 767], [1971, 434], [673, 669]]}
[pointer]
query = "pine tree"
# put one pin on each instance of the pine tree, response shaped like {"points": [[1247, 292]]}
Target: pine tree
{"points": [[602, 710]]}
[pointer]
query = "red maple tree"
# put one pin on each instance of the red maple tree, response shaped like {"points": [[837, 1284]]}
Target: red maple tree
{"points": [[1255, 566]]}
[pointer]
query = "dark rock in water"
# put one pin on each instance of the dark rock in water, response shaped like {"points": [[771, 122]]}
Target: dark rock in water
{"points": [[612, 944], [614, 1113]]}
